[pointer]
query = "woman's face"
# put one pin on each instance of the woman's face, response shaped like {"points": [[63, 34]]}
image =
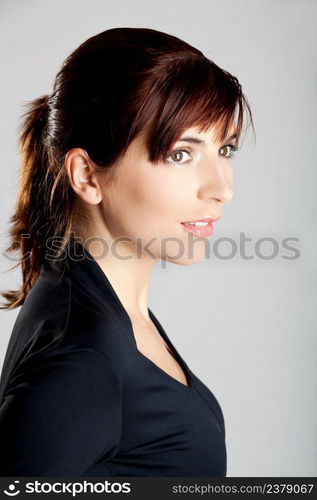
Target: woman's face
{"points": [[146, 204]]}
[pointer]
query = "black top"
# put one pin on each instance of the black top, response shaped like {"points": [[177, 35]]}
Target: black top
{"points": [[79, 399]]}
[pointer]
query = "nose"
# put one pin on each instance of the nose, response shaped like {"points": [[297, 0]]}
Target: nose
{"points": [[217, 181]]}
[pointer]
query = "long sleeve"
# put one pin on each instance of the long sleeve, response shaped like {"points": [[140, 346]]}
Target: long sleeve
{"points": [[61, 414]]}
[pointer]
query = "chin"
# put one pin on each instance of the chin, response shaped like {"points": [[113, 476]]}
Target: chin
{"points": [[183, 253]]}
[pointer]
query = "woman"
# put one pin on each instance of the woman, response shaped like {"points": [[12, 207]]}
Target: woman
{"points": [[132, 147]]}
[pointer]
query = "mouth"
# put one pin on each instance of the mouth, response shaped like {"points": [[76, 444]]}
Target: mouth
{"points": [[202, 227]]}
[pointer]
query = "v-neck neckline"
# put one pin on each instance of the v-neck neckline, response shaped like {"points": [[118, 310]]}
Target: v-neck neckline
{"points": [[190, 382], [97, 274]]}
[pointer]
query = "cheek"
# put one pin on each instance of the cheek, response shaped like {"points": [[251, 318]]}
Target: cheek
{"points": [[155, 196], [150, 205], [230, 174], [150, 202]]}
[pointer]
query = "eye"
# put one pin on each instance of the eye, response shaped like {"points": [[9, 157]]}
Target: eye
{"points": [[229, 150], [176, 156]]}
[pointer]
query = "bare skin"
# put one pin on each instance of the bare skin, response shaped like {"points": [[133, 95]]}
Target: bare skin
{"points": [[140, 202], [150, 344]]}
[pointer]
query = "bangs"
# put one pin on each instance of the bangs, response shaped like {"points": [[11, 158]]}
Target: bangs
{"points": [[191, 92]]}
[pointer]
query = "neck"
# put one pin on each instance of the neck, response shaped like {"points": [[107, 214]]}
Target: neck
{"points": [[128, 272]]}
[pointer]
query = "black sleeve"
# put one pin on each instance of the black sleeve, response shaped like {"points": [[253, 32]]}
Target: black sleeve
{"points": [[61, 415]]}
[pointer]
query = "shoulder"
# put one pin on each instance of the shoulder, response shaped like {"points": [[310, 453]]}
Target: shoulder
{"points": [[60, 310], [71, 372], [58, 324]]}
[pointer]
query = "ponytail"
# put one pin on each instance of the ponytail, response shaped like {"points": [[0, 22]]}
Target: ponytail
{"points": [[32, 217]]}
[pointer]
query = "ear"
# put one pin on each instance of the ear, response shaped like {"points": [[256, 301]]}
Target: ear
{"points": [[82, 176]]}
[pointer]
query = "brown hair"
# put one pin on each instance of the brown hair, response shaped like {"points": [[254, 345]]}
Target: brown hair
{"points": [[107, 91]]}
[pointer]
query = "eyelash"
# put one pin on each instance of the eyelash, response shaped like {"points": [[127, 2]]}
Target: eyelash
{"points": [[233, 147]]}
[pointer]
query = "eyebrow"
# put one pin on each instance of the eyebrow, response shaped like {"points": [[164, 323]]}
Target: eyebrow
{"points": [[195, 140]]}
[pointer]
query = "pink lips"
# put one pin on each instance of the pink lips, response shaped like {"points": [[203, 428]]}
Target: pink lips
{"points": [[204, 231]]}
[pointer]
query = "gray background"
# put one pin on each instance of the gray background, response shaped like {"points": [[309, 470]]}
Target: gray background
{"points": [[247, 328]]}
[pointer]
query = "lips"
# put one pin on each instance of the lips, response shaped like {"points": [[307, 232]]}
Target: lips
{"points": [[200, 230], [203, 230]]}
